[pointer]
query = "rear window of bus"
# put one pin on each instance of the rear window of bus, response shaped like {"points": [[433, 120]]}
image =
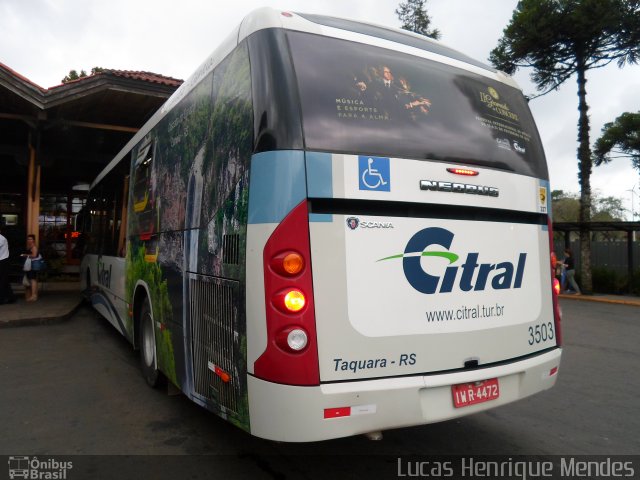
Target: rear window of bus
{"points": [[362, 99]]}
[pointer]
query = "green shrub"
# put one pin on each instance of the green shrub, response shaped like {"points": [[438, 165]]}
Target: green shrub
{"points": [[610, 281], [634, 284]]}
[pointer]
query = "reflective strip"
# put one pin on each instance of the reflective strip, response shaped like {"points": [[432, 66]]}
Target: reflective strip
{"points": [[349, 411], [337, 412], [277, 184]]}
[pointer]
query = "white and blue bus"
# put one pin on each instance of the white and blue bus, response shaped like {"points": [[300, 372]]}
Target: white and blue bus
{"points": [[332, 228]]}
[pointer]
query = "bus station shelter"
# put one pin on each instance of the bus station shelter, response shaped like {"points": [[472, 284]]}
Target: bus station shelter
{"points": [[630, 229], [53, 143]]}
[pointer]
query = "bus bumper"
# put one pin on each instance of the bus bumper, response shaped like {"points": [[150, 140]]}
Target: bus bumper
{"points": [[305, 414]]}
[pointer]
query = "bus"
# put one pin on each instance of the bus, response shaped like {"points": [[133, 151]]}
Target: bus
{"points": [[332, 228]]}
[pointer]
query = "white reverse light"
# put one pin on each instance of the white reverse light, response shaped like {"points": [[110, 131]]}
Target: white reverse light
{"points": [[297, 339]]}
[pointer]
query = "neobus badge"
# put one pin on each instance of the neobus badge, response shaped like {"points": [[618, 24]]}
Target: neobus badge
{"points": [[437, 186]]}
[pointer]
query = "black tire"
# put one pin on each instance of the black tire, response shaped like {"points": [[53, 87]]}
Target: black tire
{"points": [[148, 363]]}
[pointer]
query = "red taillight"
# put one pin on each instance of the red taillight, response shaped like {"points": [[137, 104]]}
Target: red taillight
{"points": [[291, 355], [555, 287], [463, 171]]}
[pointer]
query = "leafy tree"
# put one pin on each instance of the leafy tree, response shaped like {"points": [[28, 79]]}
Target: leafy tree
{"points": [[566, 208], [608, 209], [562, 38], [414, 17], [622, 134], [74, 75]]}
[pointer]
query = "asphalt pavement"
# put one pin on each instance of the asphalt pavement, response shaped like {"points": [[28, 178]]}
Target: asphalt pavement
{"points": [[74, 388], [59, 300]]}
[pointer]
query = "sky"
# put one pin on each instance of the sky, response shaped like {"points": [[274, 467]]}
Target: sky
{"points": [[44, 39]]}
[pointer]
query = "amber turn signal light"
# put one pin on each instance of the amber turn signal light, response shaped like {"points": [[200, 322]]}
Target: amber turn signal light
{"points": [[287, 264], [293, 263]]}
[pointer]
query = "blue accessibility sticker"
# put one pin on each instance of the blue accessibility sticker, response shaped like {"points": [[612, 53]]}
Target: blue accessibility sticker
{"points": [[374, 173]]}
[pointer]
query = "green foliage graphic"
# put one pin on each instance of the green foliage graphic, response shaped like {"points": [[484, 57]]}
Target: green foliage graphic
{"points": [[151, 273]]}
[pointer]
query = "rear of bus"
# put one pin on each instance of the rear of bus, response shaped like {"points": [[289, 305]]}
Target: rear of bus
{"points": [[398, 246]]}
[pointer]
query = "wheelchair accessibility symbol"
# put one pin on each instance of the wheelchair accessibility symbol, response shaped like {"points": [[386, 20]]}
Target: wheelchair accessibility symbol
{"points": [[374, 174]]}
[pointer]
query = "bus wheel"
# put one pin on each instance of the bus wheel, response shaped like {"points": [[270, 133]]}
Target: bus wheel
{"points": [[148, 362]]}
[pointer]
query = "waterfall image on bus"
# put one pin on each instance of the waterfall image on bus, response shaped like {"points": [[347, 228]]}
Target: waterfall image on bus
{"points": [[332, 228]]}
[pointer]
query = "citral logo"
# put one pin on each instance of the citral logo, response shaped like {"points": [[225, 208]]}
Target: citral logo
{"points": [[503, 275]]}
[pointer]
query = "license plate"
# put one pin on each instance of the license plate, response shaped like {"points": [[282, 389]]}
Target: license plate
{"points": [[467, 394]]}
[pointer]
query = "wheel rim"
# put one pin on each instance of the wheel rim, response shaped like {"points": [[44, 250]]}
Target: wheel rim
{"points": [[148, 343]]}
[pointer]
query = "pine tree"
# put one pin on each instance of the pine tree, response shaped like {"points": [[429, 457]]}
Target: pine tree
{"points": [[620, 137], [562, 38], [414, 17]]}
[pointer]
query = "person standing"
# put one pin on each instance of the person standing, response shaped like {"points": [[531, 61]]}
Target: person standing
{"points": [[570, 269], [6, 293], [31, 292]]}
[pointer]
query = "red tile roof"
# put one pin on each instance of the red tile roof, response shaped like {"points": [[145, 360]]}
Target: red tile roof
{"points": [[40, 95], [21, 77], [146, 76], [132, 75]]}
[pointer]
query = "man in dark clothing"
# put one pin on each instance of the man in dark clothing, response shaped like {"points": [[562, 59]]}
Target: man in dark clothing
{"points": [[6, 294], [570, 268]]}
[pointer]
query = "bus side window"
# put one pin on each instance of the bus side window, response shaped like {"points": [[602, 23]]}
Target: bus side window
{"points": [[142, 180], [107, 220], [122, 247], [142, 194], [107, 214], [93, 230]]}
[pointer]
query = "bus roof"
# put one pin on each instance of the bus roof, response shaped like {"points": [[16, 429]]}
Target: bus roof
{"points": [[351, 30]]}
